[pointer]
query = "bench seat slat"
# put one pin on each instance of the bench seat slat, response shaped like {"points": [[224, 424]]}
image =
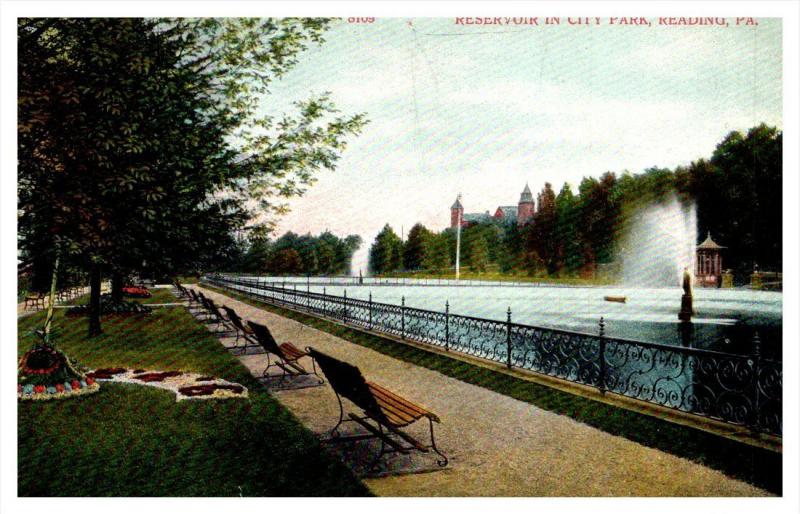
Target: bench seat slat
{"points": [[390, 396], [398, 410], [400, 402], [291, 351], [391, 417]]}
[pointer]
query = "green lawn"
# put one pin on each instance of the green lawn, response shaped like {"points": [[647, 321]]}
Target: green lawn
{"points": [[129, 440], [756, 465]]}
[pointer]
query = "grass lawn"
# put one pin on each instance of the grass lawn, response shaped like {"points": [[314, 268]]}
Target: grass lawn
{"points": [[129, 440], [755, 465]]}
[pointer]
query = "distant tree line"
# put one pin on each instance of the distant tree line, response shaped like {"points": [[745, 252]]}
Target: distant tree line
{"points": [[737, 192], [293, 254]]}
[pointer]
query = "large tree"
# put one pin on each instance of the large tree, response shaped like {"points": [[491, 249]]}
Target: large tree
{"points": [[739, 197], [416, 247], [386, 253], [144, 143]]}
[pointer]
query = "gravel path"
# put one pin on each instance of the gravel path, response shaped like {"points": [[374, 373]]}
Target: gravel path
{"points": [[498, 446]]}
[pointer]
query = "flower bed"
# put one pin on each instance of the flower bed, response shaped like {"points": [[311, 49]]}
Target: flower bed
{"points": [[136, 292], [185, 385], [47, 374]]}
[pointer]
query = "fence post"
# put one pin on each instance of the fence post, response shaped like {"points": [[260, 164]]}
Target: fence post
{"points": [[601, 385], [324, 301], [447, 325], [508, 338], [756, 392], [403, 317], [294, 300], [344, 313], [369, 327]]}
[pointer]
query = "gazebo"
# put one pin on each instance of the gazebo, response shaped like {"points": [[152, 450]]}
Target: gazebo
{"points": [[709, 263]]}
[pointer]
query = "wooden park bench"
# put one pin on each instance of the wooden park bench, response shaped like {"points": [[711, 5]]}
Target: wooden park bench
{"points": [[64, 295], [243, 331], [182, 292], [198, 306], [215, 317], [35, 300], [286, 354], [384, 413]]}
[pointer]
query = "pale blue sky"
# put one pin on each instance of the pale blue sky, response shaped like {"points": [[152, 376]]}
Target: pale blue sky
{"points": [[483, 110]]}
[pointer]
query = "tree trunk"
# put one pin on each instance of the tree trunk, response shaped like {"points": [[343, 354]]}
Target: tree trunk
{"points": [[48, 322], [94, 301], [117, 283]]}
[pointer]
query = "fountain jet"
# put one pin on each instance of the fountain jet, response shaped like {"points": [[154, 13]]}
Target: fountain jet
{"points": [[659, 244]]}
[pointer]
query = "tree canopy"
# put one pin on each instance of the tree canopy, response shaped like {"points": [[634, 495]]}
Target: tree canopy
{"points": [[143, 144]]}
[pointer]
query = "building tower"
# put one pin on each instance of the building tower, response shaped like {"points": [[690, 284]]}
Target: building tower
{"points": [[525, 207], [456, 213]]}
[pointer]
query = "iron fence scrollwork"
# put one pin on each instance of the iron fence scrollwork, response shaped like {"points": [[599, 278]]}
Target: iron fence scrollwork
{"points": [[739, 389]]}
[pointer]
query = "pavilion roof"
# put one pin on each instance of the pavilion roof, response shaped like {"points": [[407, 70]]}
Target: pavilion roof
{"points": [[709, 244]]}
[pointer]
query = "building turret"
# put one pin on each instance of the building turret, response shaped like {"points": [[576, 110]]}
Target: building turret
{"points": [[526, 206], [456, 212]]}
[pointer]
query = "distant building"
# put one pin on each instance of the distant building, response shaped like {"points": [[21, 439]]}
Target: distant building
{"points": [[525, 206], [521, 213], [708, 270]]}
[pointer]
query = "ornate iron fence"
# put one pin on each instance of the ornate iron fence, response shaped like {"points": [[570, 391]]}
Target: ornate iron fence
{"points": [[739, 389]]}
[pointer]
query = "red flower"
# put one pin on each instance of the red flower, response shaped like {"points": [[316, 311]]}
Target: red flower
{"points": [[38, 389], [75, 384], [60, 388], [89, 380]]}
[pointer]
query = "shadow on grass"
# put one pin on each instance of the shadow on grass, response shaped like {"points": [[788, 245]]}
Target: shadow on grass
{"points": [[128, 440]]}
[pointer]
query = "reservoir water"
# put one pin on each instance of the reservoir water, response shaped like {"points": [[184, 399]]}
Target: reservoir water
{"points": [[725, 319]]}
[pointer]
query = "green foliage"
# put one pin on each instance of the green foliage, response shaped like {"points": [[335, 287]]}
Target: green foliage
{"points": [[144, 144], [477, 251], [325, 254], [739, 193], [416, 247], [386, 253], [436, 252]]}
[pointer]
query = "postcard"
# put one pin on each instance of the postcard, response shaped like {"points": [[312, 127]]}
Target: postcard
{"points": [[402, 256]]}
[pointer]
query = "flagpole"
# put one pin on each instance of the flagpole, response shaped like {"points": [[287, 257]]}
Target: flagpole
{"points": [[458, 240]]}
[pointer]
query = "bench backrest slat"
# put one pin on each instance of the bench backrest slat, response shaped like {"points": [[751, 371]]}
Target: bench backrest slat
{"points": [[213, 308], [348, 382], [235, 319], [265, 339]]}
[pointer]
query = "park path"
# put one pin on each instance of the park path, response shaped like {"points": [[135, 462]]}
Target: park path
{"points": [[498, 446]]}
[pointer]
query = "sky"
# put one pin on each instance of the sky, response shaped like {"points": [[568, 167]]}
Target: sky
{"points": [[483, 110]]}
